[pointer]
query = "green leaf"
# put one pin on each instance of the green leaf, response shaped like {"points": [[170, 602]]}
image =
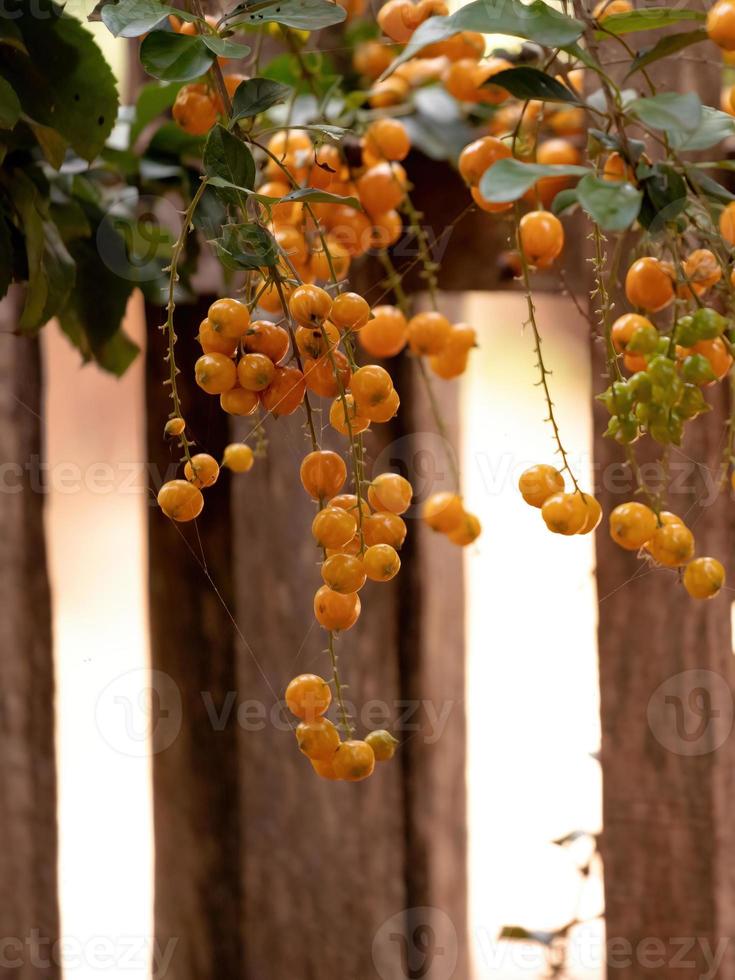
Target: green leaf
{"points": [[612, 205], [316, 196], [51, 142], [228, 157], [564, 200], [664, 196], [536, 21], [117, 354], [131, 18], [248, 246], [153, 99], [712, 188], [526, 82], [223, 47], [646, 20], [507, 180], [9, 105], [50, 266], [175, 57], [664, 47], [65, 83], [303, 15], [670, 111], [714, 127], [256, 95], [11, 36]]}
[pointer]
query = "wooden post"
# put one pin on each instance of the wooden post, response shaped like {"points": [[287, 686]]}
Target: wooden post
{"points": [[29, 915]]}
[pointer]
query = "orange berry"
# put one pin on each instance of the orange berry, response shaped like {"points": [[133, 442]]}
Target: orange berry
{"points": [[255, 371], [385, 229], [479, 156], [318, 739], [702, 271], [671, 545], [721, 24], [321, 378], [443, 512], [194, 111], [371, 58], [229, 318], [384, 411], [717, 354], [349, 502], [607, 7], [703, 578], [391, 91], [397, 19], [632, 525], [238, 457], [323, 474], [213, 342], [616, 168], [594, 514], [383, 745], [565, 513], [354, 760], [333, 527], [315, 342], [344, 573], [467, 532], [381, 562], [264, 337], [308, 696], [541, 237], [649, 285], [285, 393], [382, 187], [180, 500], [385, 334], [324, 768], [238, 401], [388, 139], [215, 373], [391, 492], [335, 611], [310, 305], [428, 332], [338, 419], [319, 262], [350, 312], [174, 427], [540, 482], [384, 527], [202, 470], [624, 328], [370, 386]]}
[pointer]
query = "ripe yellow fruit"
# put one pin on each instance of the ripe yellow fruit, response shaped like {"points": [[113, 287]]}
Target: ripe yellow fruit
{"points": [[238, 457], [632, 525], [540, 482], [353, 761], [180, 500], [671, 545], [383, 744], [565, 513], [202, 470], [443, 512], [381, 563], [703, 578]]}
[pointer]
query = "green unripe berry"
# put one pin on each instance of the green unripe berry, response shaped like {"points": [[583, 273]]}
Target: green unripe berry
{"points": [[644, 340], [685, 332], [641, 386], [708, 323], [662, 371], [696, 369]]}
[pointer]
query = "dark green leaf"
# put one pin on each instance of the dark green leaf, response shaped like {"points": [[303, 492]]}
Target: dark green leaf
{"points": [[228, 157], [536, 21], [256, 95], [670, 111], [647, 20], [117, 354], [304, 15], [175, 57], [714, 127], [131, 18], [65, 83], [564, 200], [712, 188], [507, 180], [612, 142], [664, 196], [246, 247], [153, 99], [9, 105], [526, 82], [11, 36], [664, 47], [51, 142], [223, 47], [170, 140], [612, 205]]}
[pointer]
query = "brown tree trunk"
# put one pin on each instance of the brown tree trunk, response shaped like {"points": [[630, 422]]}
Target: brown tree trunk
{"points": [[666, 679], [29, 915]]}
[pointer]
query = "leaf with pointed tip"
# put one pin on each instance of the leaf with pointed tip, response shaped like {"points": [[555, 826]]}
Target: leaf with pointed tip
{"points": [[664, 47], [246, 246], [507, 180], [175, 57], [227, 157], [613, 205], [223, 47], [303, 15], [650, 19], [671, 111], [714, 127], [256, 95], [9, 105], [527, 82]]}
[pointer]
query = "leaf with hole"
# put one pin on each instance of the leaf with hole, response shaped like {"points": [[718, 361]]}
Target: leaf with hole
{"points": [[612, 205], [535, 21], [507, 180], [246, 246], [175, 57], [256, 95], [526, 82], [303, 15]]}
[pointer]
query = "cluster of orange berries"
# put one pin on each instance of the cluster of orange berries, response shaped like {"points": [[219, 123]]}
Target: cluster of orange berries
{"points": [[308, 697], [565, 513], [182, 500], [664, 537]]}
